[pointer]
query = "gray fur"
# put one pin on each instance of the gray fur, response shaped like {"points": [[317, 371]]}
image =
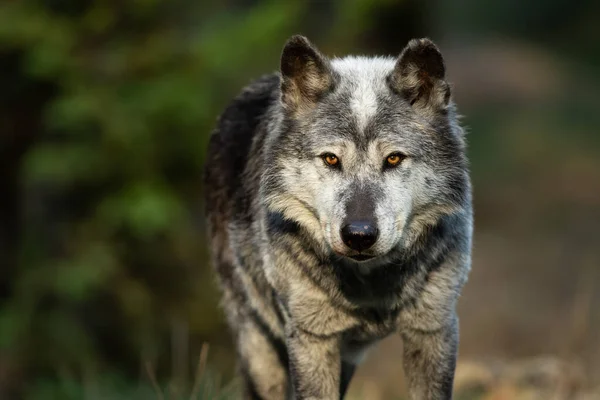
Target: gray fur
{"points": [[303, 306]]}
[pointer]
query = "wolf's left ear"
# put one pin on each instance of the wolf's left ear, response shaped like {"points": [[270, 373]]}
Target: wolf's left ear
{"points": [[305, 72], [419, 76]]}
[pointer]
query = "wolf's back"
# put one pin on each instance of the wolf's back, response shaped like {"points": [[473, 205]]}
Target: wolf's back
{"points": [[231, 184], [229, 149]]}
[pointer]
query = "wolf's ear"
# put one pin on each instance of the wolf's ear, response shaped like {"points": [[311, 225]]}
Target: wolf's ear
{"points": [[419, 76], [306, 74]]}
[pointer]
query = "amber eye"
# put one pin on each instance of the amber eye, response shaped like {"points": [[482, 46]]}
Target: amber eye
{"points": [[394, 159], [331, 159]]}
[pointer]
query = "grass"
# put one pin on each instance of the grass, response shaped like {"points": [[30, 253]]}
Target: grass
{"points": [[547, 377], [206, 386]]}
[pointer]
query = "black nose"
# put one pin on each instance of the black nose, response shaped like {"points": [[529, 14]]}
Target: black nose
{"points": [[359, 235]]}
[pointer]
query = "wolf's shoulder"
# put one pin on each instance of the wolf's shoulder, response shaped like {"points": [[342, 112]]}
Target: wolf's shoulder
{"points": [[237, 124], [249, 106], [231, 140]]}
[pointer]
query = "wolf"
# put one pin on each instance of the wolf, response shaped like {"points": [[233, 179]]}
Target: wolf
{"points": [[339, 212]]}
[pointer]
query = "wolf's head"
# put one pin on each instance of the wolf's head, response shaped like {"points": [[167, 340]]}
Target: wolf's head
{"points": [[368, 151]]}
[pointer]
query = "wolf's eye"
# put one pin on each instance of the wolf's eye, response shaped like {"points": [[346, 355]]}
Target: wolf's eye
{"points": [[331, 159], [394, 159]]}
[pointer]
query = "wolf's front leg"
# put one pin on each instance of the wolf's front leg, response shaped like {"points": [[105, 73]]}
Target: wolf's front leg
{"points": [[315, 365], [262, 363], [430, 361]]}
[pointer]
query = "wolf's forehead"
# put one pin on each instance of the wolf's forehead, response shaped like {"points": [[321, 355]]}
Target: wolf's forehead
{"points": [[363, 80]]}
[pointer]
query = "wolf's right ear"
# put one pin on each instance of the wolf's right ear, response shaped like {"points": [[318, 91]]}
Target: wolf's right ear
{"points": [[306, 74], [419, 76]]}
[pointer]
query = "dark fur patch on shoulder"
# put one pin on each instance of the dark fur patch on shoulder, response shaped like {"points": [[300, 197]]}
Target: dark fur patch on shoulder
{"points": [[278, 224]]}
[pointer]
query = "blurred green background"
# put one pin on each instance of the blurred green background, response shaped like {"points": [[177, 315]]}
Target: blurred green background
{"points": [[105, 111]]}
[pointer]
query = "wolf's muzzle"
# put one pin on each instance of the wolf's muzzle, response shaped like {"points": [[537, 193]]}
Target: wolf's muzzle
{"points": [[359, 235]]}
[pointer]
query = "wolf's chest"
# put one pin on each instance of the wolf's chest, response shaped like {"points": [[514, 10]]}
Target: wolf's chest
{"points": [[374, 324]]}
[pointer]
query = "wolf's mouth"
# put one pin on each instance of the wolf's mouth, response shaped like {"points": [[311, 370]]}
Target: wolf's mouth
{"points": [[361, 257]]}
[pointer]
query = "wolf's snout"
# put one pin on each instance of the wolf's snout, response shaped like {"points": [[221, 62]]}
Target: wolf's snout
{"points": [[359, 235]]}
